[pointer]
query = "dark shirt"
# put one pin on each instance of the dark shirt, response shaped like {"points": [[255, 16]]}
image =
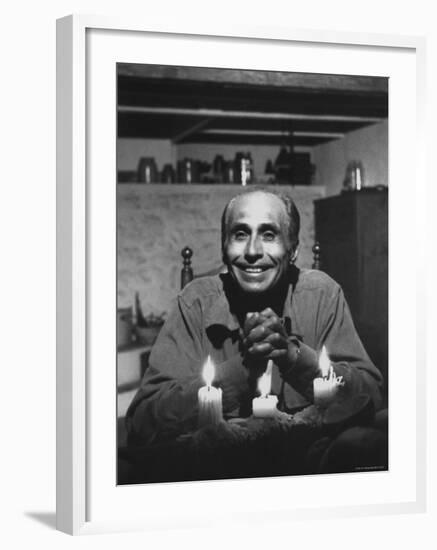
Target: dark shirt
{"points": [[204, 322]]}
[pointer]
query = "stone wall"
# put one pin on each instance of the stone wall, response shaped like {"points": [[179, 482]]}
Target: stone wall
{"points": [[155, 222]]}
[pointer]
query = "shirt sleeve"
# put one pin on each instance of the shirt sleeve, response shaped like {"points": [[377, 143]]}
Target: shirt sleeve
{"points": [[347, 352], [166, 403], [335, 330]]}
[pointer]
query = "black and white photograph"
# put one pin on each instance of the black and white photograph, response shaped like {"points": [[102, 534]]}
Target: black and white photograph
{"points": [[252, 273], [219, 304]]}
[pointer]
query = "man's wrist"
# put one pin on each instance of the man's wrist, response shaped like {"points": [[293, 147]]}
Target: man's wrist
{"points": [[287, 363], [294, 349], [302, 369]]}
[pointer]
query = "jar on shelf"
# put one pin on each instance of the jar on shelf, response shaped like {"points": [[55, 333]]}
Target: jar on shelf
{"points": [[243, 168], [218, 169], [229, 172], [147, 170], [188, 171], [354, 177], [168, 174]]}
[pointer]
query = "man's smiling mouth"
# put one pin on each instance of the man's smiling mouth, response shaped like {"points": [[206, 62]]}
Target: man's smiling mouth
{"points": [[253, 269]]}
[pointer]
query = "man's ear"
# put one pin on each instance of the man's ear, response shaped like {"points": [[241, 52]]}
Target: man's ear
{"points": [[293, 255]]}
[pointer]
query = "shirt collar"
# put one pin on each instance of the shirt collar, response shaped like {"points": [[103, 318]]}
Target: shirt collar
{"points": [[220, 312], [287, 304]]}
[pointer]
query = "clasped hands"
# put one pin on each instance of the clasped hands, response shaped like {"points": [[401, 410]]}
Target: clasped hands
{"points": [[264, 337]]}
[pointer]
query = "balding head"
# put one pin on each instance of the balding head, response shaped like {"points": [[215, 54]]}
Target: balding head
{"points": [[259, 239]]}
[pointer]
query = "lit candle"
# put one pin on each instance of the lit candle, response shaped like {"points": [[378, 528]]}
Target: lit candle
{"points": [[209, 398], [326, 387], [265, 406]]}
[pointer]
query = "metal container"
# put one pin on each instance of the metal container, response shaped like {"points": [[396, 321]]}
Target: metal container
{"points": [[147, 170], [218, 169], [243, 168], [229, 172], [188, 171], [354, 177], [168, 174]]}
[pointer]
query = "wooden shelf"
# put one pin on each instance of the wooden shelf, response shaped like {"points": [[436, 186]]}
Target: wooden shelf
{"points": [[202, 187]]}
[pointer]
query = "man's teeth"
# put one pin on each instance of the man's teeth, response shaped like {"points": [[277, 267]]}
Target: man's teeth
{"points": [[253, 269]]}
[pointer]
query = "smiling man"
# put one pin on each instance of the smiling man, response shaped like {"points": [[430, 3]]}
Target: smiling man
{"points": [[259, 241], [264, 308]]}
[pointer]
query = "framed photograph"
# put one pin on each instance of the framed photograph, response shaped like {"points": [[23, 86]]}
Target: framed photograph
{"points": [[160, 129]]}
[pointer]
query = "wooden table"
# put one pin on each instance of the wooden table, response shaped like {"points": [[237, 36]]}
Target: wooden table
{"points": [[250, 448]]}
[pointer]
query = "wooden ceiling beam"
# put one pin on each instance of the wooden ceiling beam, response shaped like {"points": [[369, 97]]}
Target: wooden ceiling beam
{"points": [[246, 114], [278, 133], [186, 95], [274, 79], [304, 141]]}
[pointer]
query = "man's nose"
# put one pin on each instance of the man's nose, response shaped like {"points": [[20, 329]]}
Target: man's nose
{"points": [[254, 249]]}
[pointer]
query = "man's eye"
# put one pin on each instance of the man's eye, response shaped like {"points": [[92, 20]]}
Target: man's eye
{"points": [[269, 236], [239, 235]]}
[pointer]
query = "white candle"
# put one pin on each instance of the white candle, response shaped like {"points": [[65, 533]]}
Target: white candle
{"points": [[323, 392], [265, 406], [325, 388], [209, 399]]}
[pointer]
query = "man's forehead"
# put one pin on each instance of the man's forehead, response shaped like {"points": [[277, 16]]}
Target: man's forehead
{"points": [[257, 207]]}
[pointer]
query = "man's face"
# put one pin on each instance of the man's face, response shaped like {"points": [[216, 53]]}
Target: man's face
{"points": [[257, 247]]}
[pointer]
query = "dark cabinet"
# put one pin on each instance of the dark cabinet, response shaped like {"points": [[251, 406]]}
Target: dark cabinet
{"points": [[352, 230]]}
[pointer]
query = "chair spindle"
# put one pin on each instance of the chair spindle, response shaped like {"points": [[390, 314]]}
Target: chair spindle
{"points": [[316, 256], [187, 270]]}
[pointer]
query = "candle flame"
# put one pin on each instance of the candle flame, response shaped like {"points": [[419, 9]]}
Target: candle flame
{"points": [[208, 371], [265, 384], [324, 362]]}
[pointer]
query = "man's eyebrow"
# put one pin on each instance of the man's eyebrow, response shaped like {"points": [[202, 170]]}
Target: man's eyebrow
{"points": [[270, 226], [239, 226], [267, 226]]}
